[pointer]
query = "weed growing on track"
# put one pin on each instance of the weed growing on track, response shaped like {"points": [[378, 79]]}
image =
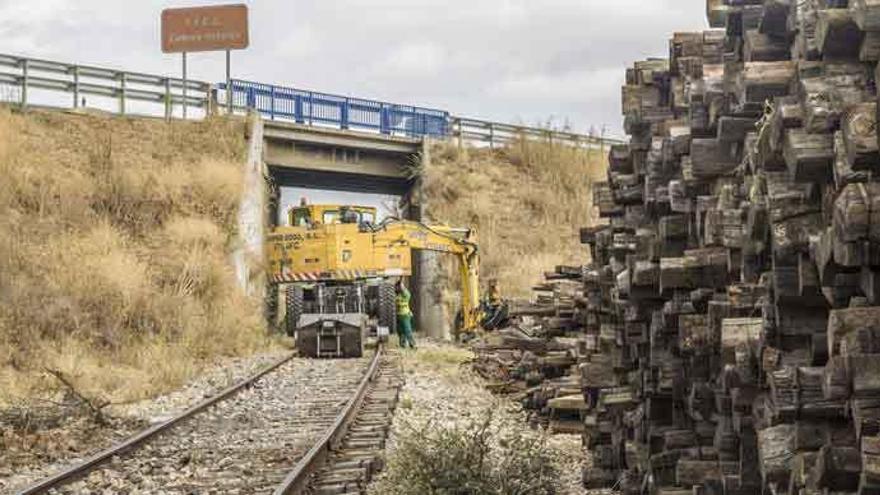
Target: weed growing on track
{"points": [[474, 458], [115, 236], [527, 201]]}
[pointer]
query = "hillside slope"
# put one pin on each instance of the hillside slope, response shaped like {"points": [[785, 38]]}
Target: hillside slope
{"points": [[527, 202], [115, 236]]}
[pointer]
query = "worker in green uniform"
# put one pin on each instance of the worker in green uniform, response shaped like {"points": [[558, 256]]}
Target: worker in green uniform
{"points": [[404, 316]]}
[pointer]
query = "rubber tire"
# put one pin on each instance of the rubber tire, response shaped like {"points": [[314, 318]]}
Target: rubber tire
{"points": [[295, 304], [387, 308]]}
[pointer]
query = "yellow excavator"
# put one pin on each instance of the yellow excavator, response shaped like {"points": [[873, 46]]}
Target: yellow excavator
{"points": [[340, 265]]}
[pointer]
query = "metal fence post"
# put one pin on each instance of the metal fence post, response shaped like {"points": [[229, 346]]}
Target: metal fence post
{"points": [[122, 93], [272, 103], [491, 135], [460, 134], [384, 120], [24, 83], [343, 114], [414, 124], [184, 85], [169, 103], [76, 87], [228, 81], [298, 109], [602, 143], [212, 100], [251, 99]]}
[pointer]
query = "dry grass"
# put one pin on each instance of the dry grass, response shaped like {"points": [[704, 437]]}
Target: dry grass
{"points": [[527, 201], [115, 237]]}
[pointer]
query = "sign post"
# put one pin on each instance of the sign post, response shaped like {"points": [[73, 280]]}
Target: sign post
{"points": [[229, 91], [184, 85], [203, 29]]}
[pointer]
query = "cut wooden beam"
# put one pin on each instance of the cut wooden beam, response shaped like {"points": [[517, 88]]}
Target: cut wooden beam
{"points": [[859, 128], [711, 158], [762, 81], [760, 47], [837, 34], [809, 157], [775, 448], [841, 322], [775, 20]]}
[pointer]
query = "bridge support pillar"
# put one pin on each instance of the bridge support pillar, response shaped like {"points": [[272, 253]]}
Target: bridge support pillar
{"points": [[429, 275], [248, 257]]}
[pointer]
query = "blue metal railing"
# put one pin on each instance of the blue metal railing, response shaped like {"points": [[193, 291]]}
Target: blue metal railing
{"points": [[341, 112]]}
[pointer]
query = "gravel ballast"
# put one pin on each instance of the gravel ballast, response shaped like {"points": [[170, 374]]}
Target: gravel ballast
{"points": [[60, 437], [441, 390]]}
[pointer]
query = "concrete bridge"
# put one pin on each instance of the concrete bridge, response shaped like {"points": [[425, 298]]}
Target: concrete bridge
{"points": [[303, 156]]}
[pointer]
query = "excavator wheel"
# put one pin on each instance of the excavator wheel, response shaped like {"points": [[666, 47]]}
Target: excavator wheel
{"points": [[295, 305], [388, 307]]}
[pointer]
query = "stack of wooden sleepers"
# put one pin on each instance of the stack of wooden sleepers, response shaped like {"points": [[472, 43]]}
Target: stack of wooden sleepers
{"points": [[536, 358], [732, 312]]}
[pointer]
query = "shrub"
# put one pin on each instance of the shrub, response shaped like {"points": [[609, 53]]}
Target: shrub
{"points": [[473, 458]]}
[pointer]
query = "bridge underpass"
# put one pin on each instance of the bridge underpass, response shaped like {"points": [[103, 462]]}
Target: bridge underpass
{"points": [[327, 161]]}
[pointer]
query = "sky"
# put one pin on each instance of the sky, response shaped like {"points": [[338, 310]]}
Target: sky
{"points": [[534, 62]]}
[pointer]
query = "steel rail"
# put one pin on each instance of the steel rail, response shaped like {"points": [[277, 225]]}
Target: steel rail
{"points": [[297, 481], [139, 439]]}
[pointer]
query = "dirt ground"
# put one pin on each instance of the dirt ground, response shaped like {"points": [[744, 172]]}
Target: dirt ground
{"points": [[440, 389]]}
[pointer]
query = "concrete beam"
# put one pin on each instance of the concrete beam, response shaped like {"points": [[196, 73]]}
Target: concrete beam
{"points": [[299, 133], [333, 159], [345, 152]]}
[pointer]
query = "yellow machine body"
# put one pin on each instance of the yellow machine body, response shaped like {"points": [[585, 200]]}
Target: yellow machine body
{"points": [[337, 243], [327, 249]]}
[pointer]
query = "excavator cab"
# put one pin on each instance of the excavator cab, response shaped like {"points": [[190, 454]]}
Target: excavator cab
{"points": [[314, 215]]}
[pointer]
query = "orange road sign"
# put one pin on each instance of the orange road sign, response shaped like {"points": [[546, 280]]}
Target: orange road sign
{"points": [[203, 29]]}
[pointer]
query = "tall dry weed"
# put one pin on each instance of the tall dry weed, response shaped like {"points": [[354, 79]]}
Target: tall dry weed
{"points": [[527, 201], [115, 236]]}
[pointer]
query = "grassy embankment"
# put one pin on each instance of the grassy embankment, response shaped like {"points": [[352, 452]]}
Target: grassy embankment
{"points": [[115, 237], [527, 201]]}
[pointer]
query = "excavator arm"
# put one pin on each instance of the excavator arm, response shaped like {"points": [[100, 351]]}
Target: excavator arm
{"points": [[459, 242]]}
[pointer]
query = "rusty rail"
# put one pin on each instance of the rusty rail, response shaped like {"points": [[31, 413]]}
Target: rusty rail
{"points": [[297, 481], [139, 439]]}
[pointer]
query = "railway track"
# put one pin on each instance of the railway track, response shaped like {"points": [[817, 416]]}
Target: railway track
{"points": [[276, 432]]}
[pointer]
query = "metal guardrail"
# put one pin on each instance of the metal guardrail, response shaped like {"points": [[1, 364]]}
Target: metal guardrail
{"points": [[498, 134], [341, 112], [119, 91], [27, 75]]}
